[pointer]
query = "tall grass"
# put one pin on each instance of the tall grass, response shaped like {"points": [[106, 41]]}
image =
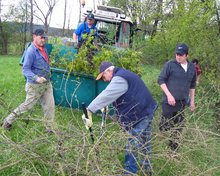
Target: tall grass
{"points": [[27, 150]]}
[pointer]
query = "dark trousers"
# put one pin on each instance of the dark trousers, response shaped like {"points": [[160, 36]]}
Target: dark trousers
{"points": [[139, 147], [172, 120]]}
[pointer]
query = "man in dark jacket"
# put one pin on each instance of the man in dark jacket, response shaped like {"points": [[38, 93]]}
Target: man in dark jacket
{"points": [[177, 81], [135, 108]]}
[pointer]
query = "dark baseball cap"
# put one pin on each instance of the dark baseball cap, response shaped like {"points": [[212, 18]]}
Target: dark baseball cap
{"points": [[102, 68], [40, 32], [90, 16], [182, 49]]}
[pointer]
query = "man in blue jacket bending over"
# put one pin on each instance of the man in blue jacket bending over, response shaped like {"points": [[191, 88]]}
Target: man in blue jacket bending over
{"points": [[135, 108]]}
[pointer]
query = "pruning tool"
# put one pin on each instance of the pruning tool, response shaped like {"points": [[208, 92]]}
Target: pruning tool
{"points": [[104, 114], [90, 128]]}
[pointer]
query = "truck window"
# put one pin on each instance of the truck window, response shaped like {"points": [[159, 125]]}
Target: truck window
{"points": [[124, 36], [107, 32]]}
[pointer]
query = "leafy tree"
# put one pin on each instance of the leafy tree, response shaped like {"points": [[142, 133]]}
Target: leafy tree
{"points": [[9, 31], [196, 25]]}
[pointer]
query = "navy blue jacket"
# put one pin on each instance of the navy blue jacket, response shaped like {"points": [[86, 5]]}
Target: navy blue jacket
{"points": [[177, 80], [136, 103]]}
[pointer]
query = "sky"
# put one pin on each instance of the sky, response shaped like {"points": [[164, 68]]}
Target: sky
{"points": [[58, 14]]}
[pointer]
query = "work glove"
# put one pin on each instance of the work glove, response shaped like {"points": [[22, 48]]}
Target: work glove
{"points": [[105, 110], [87, 122], [40, 80]]}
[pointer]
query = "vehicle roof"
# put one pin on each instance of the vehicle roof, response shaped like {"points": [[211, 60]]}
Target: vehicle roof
{"points": [[108, 14]]}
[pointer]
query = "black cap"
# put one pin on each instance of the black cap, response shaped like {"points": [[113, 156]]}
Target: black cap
{"points": [[40, 32], [90, 16], [104, 65], [182, 49]]}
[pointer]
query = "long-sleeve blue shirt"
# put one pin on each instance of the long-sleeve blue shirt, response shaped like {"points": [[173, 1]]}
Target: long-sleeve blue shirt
{"points": [[35, 65], [84, 29]]}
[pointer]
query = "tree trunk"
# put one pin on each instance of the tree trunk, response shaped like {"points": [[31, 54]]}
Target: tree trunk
{"points": [[64, 20], [217, 16], [32, 17], [25, 26], [4, 44], [4, 39], [80, 12], [159, 14]]}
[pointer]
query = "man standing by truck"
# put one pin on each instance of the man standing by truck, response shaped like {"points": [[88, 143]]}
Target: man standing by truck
{"points": [[84, 29]]}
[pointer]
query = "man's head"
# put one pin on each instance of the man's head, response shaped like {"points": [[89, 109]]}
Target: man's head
{"points": [[195, 61], [90, 19], [182, 49], [182, 53], [105, 71], [39, 36], [40, 32]]}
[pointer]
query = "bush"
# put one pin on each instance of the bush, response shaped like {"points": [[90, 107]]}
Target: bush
{"points": [[89, 58]]}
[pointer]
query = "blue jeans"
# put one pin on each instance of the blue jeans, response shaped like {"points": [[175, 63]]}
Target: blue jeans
{"points": [[139, 146]]}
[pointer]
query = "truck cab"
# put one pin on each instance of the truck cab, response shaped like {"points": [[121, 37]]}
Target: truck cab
{"points": [[114, 27]]}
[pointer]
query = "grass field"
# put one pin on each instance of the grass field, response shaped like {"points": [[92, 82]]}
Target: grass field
{"points": [[27, 150]]}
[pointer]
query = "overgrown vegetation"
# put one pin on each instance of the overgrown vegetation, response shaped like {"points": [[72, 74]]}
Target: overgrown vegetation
{"points": [[167, 23], [90, 56], [27, 150], [164, 25]]}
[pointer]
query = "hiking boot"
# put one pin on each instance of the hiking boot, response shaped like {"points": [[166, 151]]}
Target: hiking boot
{"points": [[6, 125]]}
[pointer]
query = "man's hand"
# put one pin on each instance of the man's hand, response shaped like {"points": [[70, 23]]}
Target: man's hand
{"points": [[75, 45], [41, 80], [105, 110], [192, 106], [88, 122], [171, 100]]}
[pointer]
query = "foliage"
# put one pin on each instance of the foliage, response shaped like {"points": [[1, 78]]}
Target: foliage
{"points": [[195, 27], [127, 59], [61, 56], [134, 9], [83, 63], [4, 37], [15, 33], [89, 58], [193, 22], [28, 150]]}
